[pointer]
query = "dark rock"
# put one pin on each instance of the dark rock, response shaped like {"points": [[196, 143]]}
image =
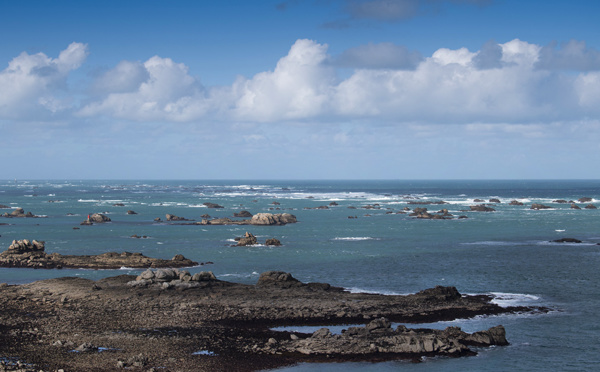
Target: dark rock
{"points": [[590, 206], [515, 202], [277, 278], [118, 205], [131, 212], [538, 206], [332, 204], [585, 199], [244, 214], [98, 218], [247, 239], [560, 201], [275, 203], [575, 206], [567, 240], [172, 217], [273, 242], [478, 200], [481, 208], [494, 200], [212, 205]]}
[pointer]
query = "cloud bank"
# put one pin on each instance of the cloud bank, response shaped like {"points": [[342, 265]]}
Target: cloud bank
{"points": [[513, 82]]}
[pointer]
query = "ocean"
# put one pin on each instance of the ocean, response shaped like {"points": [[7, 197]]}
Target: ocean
{"points": [[508, 253]]}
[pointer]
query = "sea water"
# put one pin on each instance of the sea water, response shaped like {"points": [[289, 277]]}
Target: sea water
{"points": [[508, 253]]}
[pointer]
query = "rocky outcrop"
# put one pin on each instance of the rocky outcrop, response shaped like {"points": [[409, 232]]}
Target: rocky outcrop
{"points": [[378, 337], [243, 214], [172, 217], [481, 208], [590, 206], [25, 253], [18, 213], [422, 213], [560, 201], [585, 199], [495, 200], [95, 218], [538, 206], [247, 239], [257, 219], [212, 205], [272, 242], [131, 212], [161, 317], [567, 240], [169, 278], [515, 202]]}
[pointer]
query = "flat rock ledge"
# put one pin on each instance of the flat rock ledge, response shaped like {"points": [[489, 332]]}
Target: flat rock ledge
{"points": [[257, 219], [31, 254], [175, 321]]}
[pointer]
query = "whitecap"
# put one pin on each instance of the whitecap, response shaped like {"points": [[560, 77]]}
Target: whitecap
{"points": [[127, 268], [371, 291], [355, 238], [513, 299], [204, 352]]}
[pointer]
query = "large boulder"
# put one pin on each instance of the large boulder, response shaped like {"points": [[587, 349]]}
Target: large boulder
{"points": [[212, 205], [538, 206], [481, 208], [279, 278], [98, 218], [244, 214], [24, 246], [272, 219]]}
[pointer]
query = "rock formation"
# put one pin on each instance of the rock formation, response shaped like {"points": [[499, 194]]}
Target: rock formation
{"points": [[25, 253], [538, 206], [481, 208]]}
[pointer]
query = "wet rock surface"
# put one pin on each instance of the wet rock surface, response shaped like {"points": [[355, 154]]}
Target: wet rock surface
{"points": [[176, 321]]}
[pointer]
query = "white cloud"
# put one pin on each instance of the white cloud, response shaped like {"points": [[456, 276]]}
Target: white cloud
{"points": [[573, 55], [299, 87], [501, 83], [168, 93], [33, 86]]}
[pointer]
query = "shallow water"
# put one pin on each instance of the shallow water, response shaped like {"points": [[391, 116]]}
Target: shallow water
{"points": [[507, 252]]}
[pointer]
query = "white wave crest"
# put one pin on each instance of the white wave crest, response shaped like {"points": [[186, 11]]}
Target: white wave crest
{"points": [[355, 238]]}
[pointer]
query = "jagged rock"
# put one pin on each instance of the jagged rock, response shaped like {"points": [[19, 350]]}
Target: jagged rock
{"points": [[247, 239], [118, 205], [24, 246], [495, 200], [333, 204], [560, 201], [538, 206], [131, 212], [86, 347], [575, 206], [19, 213], [585, 199], [515, 202], [272, 242], [590, 206], [172, 217], [441, 293], [97, 218]]}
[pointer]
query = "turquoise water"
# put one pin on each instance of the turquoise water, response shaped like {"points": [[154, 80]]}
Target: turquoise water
{"points": [[507, 252]]}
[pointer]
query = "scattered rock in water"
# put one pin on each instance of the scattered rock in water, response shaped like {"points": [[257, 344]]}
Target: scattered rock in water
{"points": [[118, 205], [575, 206], [538, 206], [495, 200], [172, 217], [243, 214], [481, 208], [560, 201], [273, 242], [212, 205], [19, 213], [515, 202], [136, 236], [247, 239], [585, 199], [567, 240], [95, 218], [590, 206], [131, 212]]}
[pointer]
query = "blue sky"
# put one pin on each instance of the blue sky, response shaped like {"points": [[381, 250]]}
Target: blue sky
{"points": [[313, 89]]}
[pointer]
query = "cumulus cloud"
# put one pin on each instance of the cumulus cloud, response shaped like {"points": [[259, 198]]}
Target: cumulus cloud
{"points": [[500, 83], [157, 90], [299, 87], [379, 56], [34, 85]]}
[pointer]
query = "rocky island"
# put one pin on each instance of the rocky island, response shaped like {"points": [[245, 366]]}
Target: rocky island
{"points": [[173, 321], [31, 254]]}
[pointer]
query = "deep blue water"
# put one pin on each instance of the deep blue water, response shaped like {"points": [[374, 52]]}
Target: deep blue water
{"points": [[507, 252]]}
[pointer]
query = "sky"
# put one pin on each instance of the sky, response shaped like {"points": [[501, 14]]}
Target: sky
{"points": [[300, 89]]}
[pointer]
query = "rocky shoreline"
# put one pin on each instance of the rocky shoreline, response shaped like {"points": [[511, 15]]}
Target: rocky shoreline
{"points": [[183, 322], [31, 254]]}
